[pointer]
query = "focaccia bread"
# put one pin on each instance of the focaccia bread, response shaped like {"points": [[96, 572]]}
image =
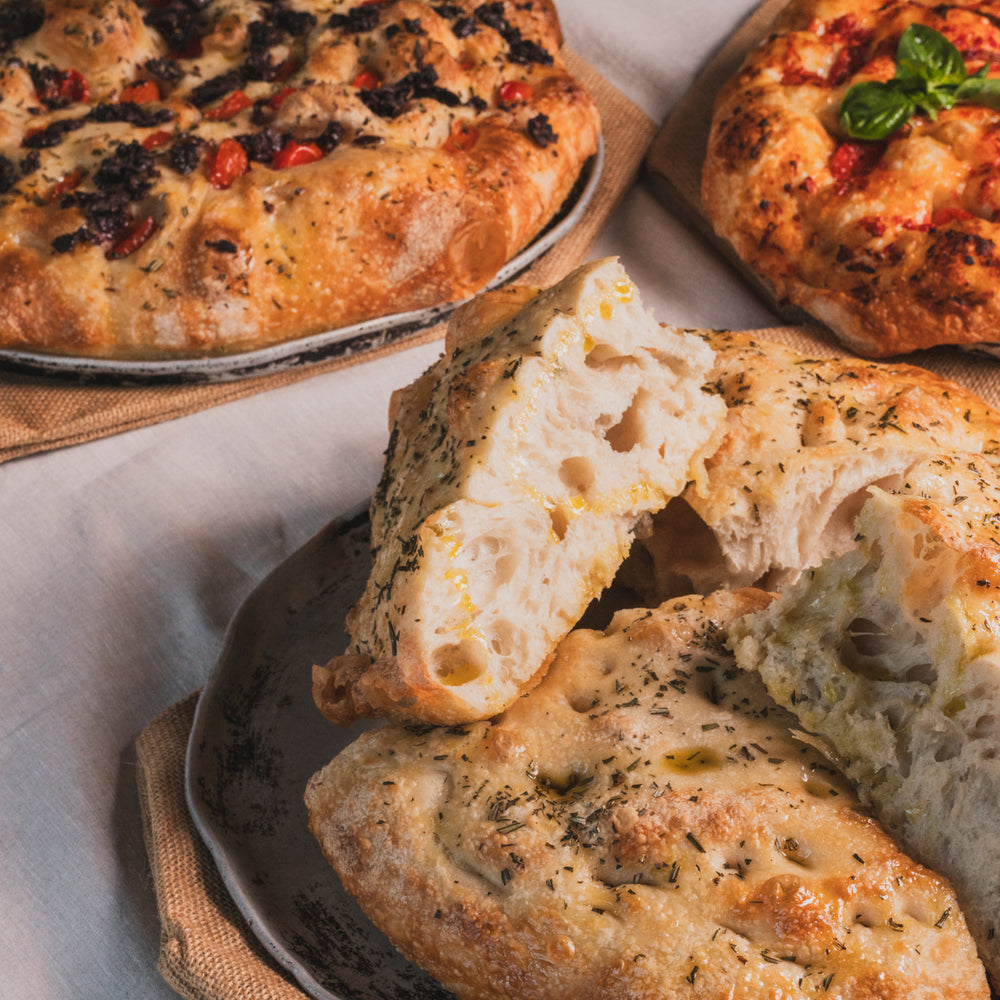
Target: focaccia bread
{"points": [[187, 178], [891, 652], [643, 824], [892, 243], [518, 469], [804, 439]]}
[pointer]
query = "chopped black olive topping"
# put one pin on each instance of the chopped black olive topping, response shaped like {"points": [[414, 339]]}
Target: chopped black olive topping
{"points": [[211, 90], [390, 100], [185, 153], [540, 129], [522, 50], [52, 134], [129, 169], [464, 27], [19, 19], [141, 115], [263, 145], [357, 19]]}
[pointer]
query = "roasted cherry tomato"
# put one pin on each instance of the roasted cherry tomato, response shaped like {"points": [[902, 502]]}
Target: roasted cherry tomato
{"points": [[463, 137], [294, 154], [281, 96], [855, 159], [140, 92], [156, 139], [230, 161], [73, 86], [945, 215], [367, 80], [133, 239], [516, 92], [232, 104], [68, 183]]}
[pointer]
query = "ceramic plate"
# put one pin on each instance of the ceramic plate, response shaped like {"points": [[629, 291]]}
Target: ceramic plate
{"points": [[305, 351], [256, 740]]}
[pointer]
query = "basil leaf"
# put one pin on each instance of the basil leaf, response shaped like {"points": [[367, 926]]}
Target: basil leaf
{"points": [[979, 89], [873, 110], [925, 53]]}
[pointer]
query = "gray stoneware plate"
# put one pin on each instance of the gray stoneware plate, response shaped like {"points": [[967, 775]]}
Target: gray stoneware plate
{"points": [[344, 342], [256, 740]]}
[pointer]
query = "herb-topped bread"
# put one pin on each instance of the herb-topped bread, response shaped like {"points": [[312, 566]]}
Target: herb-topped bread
{"points": [[804, 438], [643, 824], [518, 469], [891, 652]]}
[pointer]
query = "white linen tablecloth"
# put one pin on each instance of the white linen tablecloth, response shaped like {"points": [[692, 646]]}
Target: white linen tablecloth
{"points": [[123, 560]]}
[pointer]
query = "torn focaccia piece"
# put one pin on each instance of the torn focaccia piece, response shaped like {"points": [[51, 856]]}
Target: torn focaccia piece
{"points": [[517, 471], [892, 653], [641, 824], [804, 438]]}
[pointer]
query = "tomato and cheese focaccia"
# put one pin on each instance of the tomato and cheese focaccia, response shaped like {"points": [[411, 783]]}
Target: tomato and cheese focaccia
{"points": [[891, 653], [181, 178], [892, 243], [643, 824], [519, 469]]}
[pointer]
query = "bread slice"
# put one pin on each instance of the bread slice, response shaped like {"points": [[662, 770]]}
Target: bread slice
{"points": [[891, 652], [804, 439], [643, 824], [517, 471]]}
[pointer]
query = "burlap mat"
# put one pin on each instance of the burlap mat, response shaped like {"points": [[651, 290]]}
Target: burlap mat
{"points": [[207, 951], [40, 414]]}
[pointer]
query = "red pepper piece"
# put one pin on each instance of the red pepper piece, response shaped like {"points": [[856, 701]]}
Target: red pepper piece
{"points": [[156, 139], [133, 239], [294, 154], [230, 161], [516, 92], [367, 80], [231, 105], [140, 92], [463, 137]]}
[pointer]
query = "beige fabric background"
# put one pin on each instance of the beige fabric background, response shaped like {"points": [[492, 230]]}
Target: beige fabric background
{"points": [[39, 414]]}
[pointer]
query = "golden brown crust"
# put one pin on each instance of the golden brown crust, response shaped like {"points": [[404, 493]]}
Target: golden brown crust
{"points": [[398, 215], [641, 825], [891, 244]]}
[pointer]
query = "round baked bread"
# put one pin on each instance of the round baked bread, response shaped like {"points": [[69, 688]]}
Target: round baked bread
{"points": [[892, 243], [643, 824], [518, 469], [804, 438], [193, 178], [891, 652]]}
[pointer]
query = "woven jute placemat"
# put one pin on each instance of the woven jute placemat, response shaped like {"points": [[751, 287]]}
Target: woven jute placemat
{"points": [[40, 414]]}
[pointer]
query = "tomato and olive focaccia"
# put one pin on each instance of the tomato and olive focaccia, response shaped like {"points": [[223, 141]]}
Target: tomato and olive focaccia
{"points": [[182, 178], [890, 241]]}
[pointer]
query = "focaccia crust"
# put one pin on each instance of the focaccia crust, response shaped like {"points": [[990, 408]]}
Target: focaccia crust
{"points": [[641, 825], [804, 438], [394, 156], [892, 244]]}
